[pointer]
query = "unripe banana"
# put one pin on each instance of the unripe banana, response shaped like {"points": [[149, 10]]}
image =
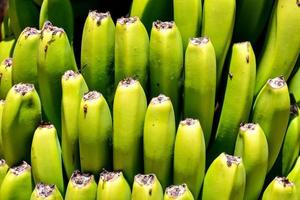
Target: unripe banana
{"points": [[25, 57], [81, 186], [5, 77], [217, 23], [271, 111], [165, 67], [73, 89], [130, 105], [146, 187], [294, 176], [280, 189], [6, 27], [225, 179], [113, 186], [294, 83], [21, 115], [55, 57], [2, 103], [17, 183], [159, 137], [189, 155], [7, 48], [282, 45], [131, 50], [237, 100], [46, 158], [252, 146], [95, 133], [178, 192], [45, 192], [200, 83], [3, 170], [97, 53]]}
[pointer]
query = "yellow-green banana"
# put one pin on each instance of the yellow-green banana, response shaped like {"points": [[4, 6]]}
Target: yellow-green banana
{"points": [[3, 170], [7, 48], [46, 192], [159, 137], [280, 189], [200, 83], [294, 176], [5, 77], [2, 103], [294, 83], [130, 105], [21, 115], [178, 192]]}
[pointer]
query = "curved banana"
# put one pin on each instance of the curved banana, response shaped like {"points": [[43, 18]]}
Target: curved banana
{"points": [[251, 139], [282, 45], [159, 138], [2, 103], [200, 83], [129, 109], [21, 115], [146, 187], [7, 47], [81, 186], [178, 192], [166, 62], [189, 155], [271, 111], [3, 170], [5, 77], [45, 192], [294, 176], [294, 83], [225, 179], [73, 89]]}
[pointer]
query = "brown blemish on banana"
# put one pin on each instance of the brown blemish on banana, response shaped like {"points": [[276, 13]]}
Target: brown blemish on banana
{"points": [[188, 122], [163, 25], [29, 31], [98, 16], [70, 74], [47, 125], [127, 20], [107, 176], [294, 110], [81, 179], [277, 82], [284, 181], [298, 3], [145, 179], [230, 75], [199, 41], [175, 191], [20, 169], [247, 58], [91, 96], [160, 99], [230, 160], [8, 62], [45, 190], [85, 110], [23, 88], [128, 81], [2, 162], [248, 126]]}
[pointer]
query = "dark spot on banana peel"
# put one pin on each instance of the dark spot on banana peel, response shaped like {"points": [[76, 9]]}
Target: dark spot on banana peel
{"points": [[45, 190], [247, 59], [98, 16], [85, 109], [284, 181], [2, 162], [81, 179], [8, 62], [230, 75], [150, 192], [46, 48], [44, 124], [230, 160], [298, 3], [294, 110]]}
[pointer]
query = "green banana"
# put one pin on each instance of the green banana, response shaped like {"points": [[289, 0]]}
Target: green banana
{"points": [[7, 48], [25, 69], [21, 115], [237, 100], [200, 83], [217, 23], [271, 111], [294, 83], [81, 186], [95, 133], [97, 53], [3, 170], [252, 146], [178, 192], [282, 45], [189, 155], [5, 77], [2, 103], [73, 89], [17, 184], [225, 179], [131, 50], [6, 27], [159, 137], [45, 149], [146, 187], [165, 67], [294, 176], [55, 57], [280, 189], [113, 186], [129, 109], [60, 13], [45, 192]]}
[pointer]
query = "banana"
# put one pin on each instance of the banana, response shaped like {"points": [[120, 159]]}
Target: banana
{"points": [[178, 192], [5, 77], [60, 13], [251, 139], [166, 68], [294, 176], [25, 69], [271, 111], [2, 103], [282, 45], [45, 192], [159, 137], [131, 50], [55, 57], [21, 115], [237, 100], [97, 53], [200, 83], [6, 27], [146, 187], [81, 186], [129, 109], [280, 189], [294, 82], [7, 48], [225, 179], [3, 170], [95, 133], [46, 149], [217, 23], [189, 155], [113, 186], [73, 89], [17, 183]]}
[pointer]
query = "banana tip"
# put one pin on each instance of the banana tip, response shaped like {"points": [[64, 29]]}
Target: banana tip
{"points": [[160, 25], [81, 179], [8, 62], [127, 20], [91, 96], [107, 176], [2, 162], [45, 190], [230, 160], [24, 88], [145, 179], [98, 16], [284, 181], [175, 191], [20, 168], [277, 82], [199, 41], [160, 99]]}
